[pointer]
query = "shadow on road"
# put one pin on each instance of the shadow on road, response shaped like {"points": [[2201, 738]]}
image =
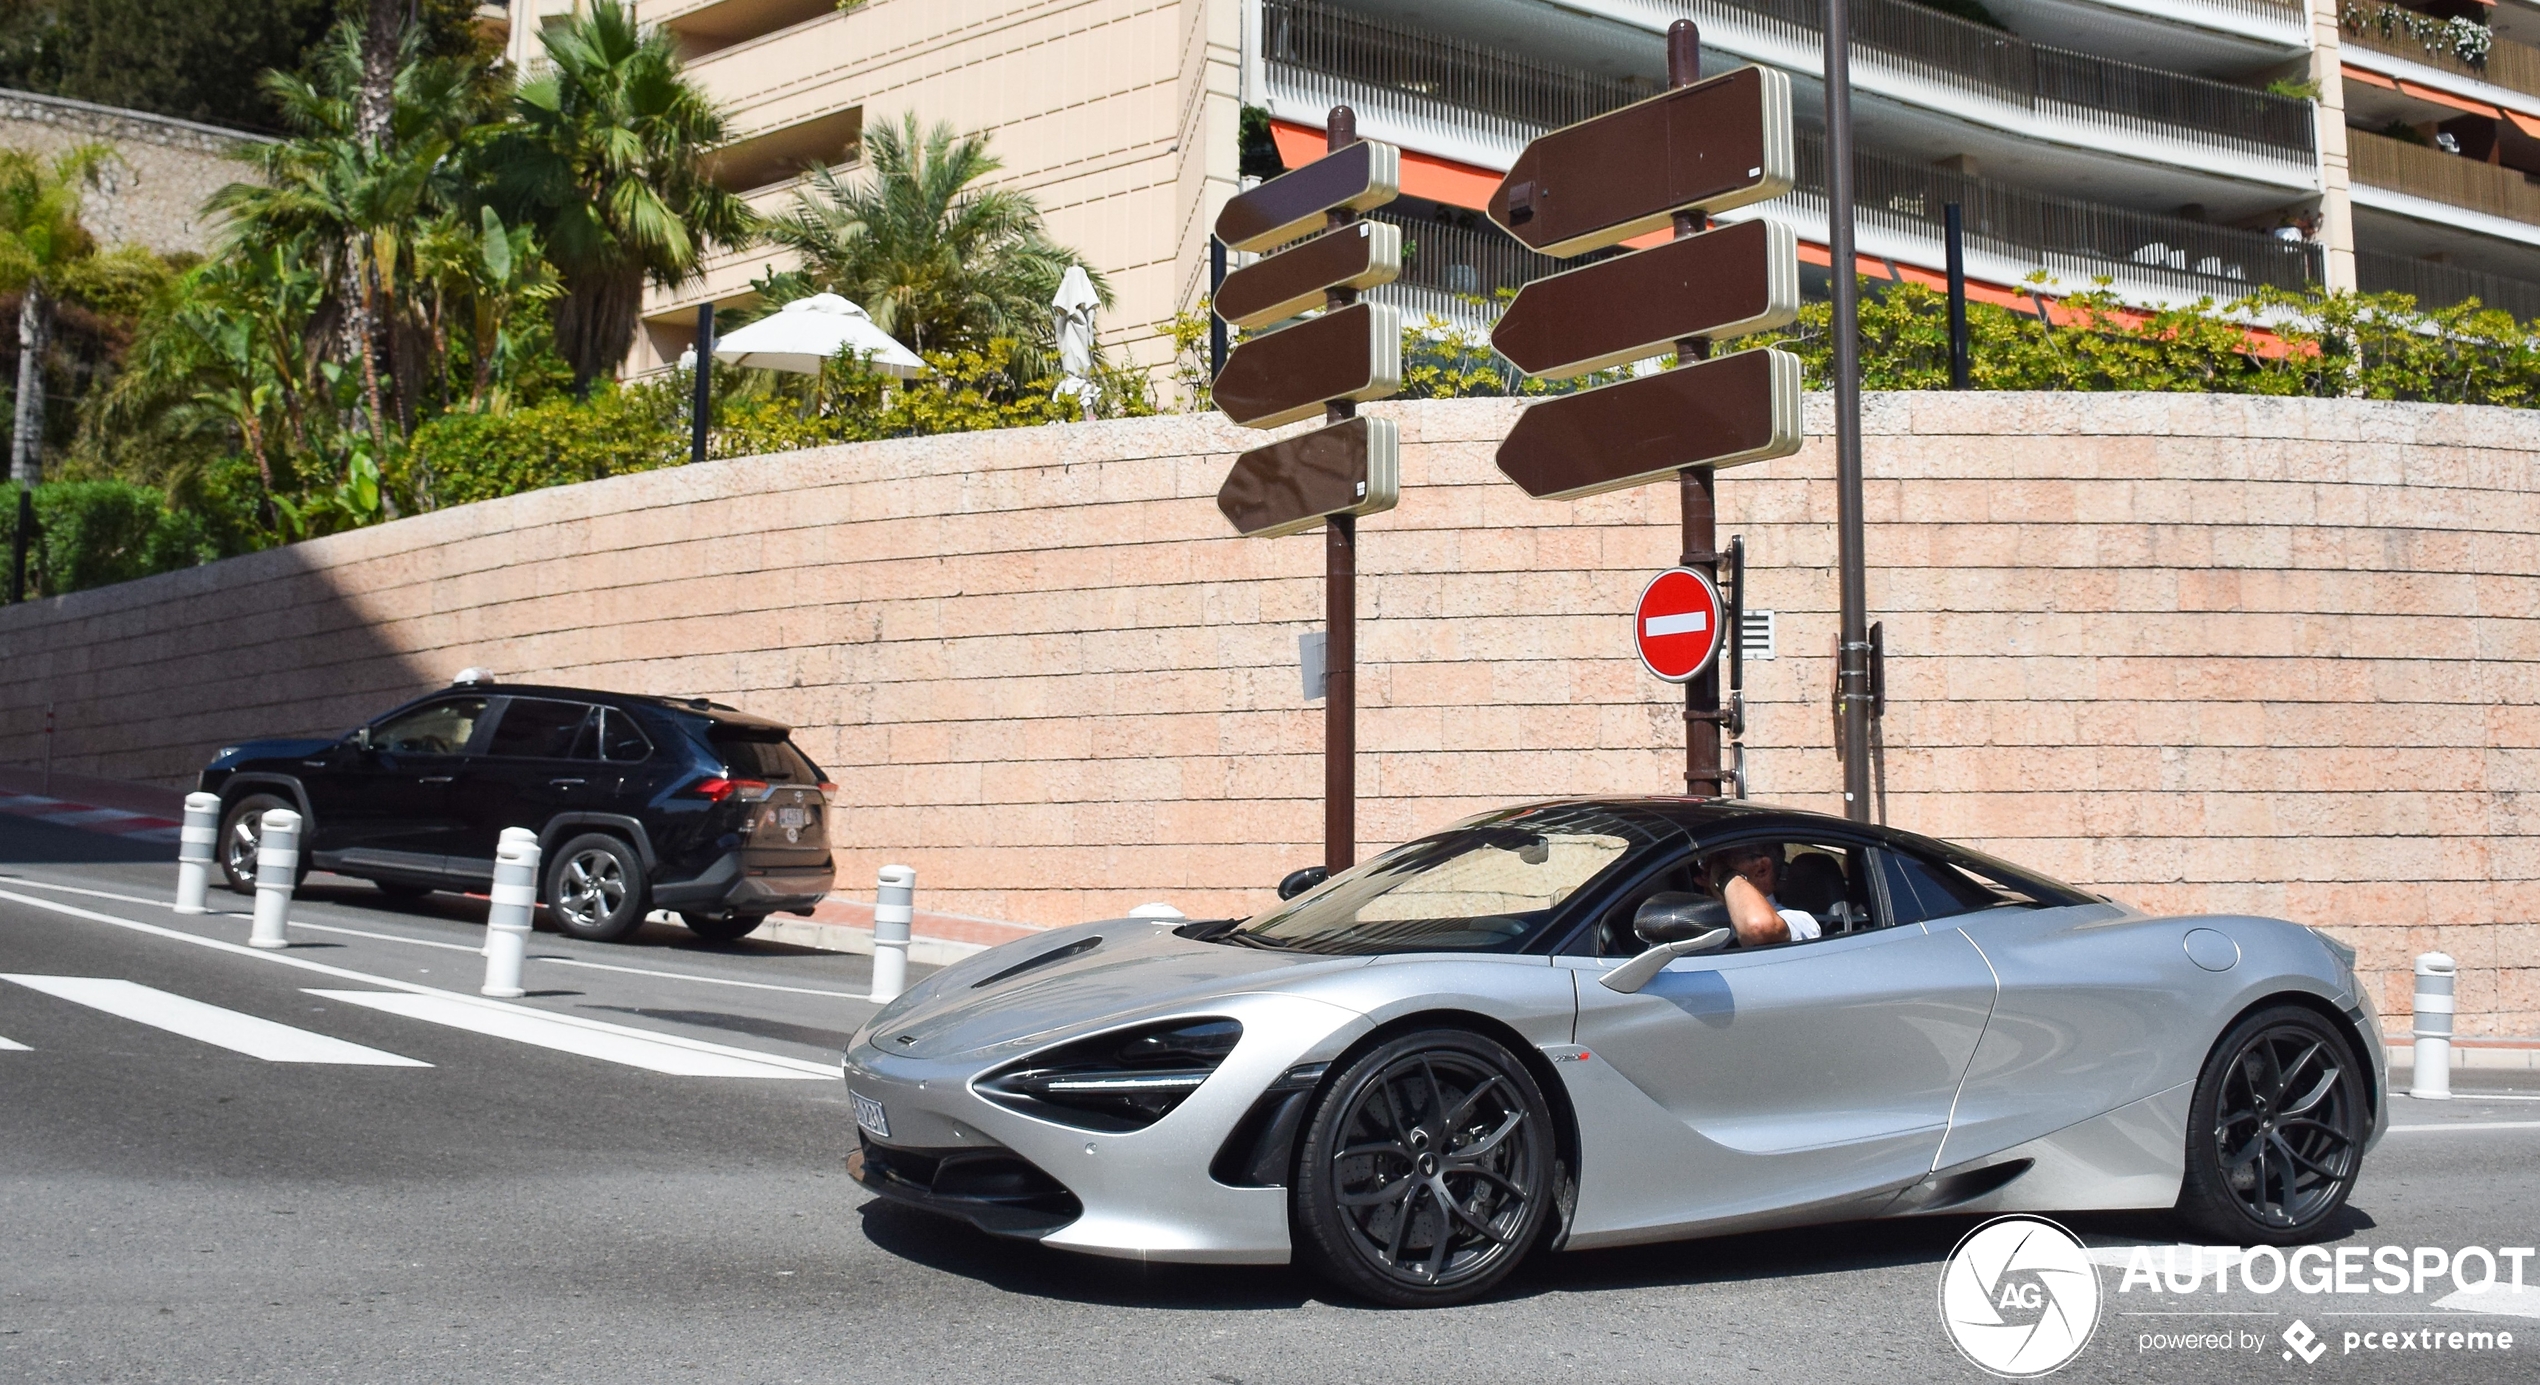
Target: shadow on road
{"points": [[30, 842]]}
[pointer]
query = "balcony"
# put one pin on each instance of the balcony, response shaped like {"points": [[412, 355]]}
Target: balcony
{"points": [[1322, 55], [2442, 286], [2405, 33], [2416, 171]]}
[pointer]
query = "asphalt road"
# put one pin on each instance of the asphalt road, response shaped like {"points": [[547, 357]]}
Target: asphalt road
{"points": [[171, 1209]]}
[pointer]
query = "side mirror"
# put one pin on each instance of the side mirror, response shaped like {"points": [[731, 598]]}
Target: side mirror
{"points": [[1640, 971], [360, 738], [1298, 882], [1672, 916]]}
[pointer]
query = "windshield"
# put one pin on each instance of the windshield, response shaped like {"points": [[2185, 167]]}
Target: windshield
{"points": [[1486, 886]]}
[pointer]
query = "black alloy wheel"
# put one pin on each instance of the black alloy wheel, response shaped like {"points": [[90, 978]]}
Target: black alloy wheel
{"points": [[241, 832], [1425, 1174], [595, 888], [2276, 1130], [722, 928]]}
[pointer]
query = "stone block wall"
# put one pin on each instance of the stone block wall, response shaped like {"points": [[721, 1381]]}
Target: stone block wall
{"points": [[152, 194], [2201, 652]]}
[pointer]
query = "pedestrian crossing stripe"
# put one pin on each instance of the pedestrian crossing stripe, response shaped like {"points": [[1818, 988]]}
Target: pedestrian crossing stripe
{"points": [[13, 1046], [587, 1038], [210, 1024]]}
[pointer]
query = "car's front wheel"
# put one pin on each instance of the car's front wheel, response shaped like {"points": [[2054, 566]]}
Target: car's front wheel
{"points": [[1426, 1170], [241, 833], [2275, 1133], [595, 888]]}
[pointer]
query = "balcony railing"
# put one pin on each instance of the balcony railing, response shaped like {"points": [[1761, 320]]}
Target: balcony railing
{"points": [[2443, 286], [2398, 166], [2384, 29], [1988, 62]]}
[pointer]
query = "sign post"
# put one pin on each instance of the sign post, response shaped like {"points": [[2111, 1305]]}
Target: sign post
{"points": [[1329, 363], [1700, 147]]}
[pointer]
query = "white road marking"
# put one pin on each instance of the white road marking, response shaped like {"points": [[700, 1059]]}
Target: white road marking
{"points": [[685, 976], [2507, 1299], [257, 1038], [1684, 624], [825, 1071], [2471, 1125], [571, 1034], [13, 1046]]}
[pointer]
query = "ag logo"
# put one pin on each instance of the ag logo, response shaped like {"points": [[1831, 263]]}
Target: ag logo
{"points": [[2019, 1297]]}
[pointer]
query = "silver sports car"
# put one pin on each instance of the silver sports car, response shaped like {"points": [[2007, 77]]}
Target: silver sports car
{"points": [[1599, 1022]]}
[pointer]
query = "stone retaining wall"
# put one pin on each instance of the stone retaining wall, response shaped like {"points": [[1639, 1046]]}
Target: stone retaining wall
{"points": [[2202, 652]]}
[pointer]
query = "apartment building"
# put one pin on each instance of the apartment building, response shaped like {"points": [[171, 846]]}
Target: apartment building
{"points": [[2175, 149]]}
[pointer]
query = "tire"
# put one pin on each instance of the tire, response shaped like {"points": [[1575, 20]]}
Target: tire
{"points": [[1366, 1200], [239, 835], [723, 928], [594, 888], [2275, 1134]]}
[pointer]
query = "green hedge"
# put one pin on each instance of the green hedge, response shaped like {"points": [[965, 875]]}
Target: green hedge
{"points": [[92, 533]]}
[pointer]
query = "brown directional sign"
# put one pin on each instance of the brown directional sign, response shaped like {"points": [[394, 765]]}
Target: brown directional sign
{"points": [[1349, 468], [1728, 282], [1349, 353], [1360, 255], [1357, 176], [1740, 408], [1706, 147]]}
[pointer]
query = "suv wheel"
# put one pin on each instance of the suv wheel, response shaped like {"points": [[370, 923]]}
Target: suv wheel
{"points": [[722, 928], [241, 831], [595, 888]]}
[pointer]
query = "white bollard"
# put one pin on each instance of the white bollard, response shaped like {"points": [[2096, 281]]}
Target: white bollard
{"points": [[2433, 1076], [277, 870], [894, 894], [507, 926], [194, 844]]}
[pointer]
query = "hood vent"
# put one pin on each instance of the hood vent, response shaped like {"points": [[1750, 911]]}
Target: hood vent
{"points": [[1077, 948]]}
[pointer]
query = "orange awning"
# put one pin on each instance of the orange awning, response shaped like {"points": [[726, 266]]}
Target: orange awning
{"points": [[2528, 124], [2445, 98], [2353, 73]]}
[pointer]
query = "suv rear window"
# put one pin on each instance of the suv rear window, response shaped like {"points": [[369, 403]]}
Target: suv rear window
{"points": [[750, 753]]}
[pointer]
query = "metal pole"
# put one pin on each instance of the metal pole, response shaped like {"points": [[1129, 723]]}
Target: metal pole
{"points": [[1696, 497], [701, 412], [1960, 354], [1853, 662], [18, 545], [1340, 603], [1216, 324]]}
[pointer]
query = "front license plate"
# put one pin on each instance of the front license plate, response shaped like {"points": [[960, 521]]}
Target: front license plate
{"points": [[868, 1113]]}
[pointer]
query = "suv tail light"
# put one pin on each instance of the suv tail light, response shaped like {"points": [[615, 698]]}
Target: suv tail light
{"points": [[743, 790], [828, 791]]}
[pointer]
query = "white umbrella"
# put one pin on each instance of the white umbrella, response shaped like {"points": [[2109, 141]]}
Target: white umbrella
{"points": [[809, 332], [1072, 315]]}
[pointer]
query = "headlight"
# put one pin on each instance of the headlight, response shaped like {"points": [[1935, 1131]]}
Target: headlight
{"points": [[1124, 1080]]}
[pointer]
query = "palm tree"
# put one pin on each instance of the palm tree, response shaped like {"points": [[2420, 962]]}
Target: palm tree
{"points": [[603, 160], [937, 262], [40, 237]]}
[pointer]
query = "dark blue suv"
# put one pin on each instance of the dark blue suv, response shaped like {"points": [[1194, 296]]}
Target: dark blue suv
{"points": [[639, 803]]}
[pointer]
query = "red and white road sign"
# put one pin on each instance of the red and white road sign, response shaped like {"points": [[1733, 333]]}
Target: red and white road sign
{"points": [[1678, 625]]}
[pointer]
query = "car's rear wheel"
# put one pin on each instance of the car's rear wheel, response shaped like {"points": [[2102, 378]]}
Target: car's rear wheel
{"points": [[1425, 1173], [241, 832], [595, 888], [723, 928], [2275, 1133]]}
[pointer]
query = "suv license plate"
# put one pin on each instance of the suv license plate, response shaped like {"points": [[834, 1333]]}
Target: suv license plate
{"points": [[793, 817], [868, 1113]]}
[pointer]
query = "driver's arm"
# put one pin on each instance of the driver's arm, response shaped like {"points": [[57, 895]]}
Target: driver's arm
{"points": [[1752, 915]]}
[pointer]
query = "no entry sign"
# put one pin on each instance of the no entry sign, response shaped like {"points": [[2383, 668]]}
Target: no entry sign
{"points": [[1677, 628]]}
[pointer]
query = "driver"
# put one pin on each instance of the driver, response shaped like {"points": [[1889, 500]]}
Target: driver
{"points": [[1744, 877]]}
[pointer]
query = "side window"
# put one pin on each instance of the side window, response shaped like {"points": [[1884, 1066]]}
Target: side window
{"points": [[1821, 889], [437, 728], [539, 728], [1919, 889], [621, 739]]}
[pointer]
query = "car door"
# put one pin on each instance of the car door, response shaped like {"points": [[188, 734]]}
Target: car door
{"points": [[2072, 1035], [387, 805], [541, 759], [1790, 1074]]}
